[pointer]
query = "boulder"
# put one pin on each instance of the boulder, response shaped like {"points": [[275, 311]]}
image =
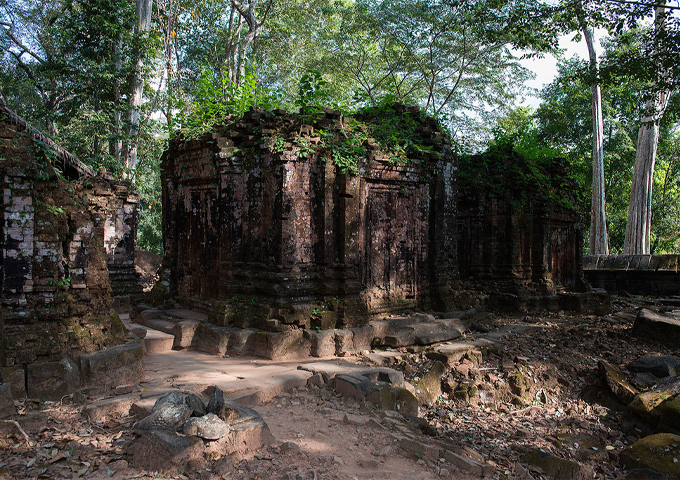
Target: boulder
{"points": [[658, 365], [207, 427], [558, 468], [120, 365], [660, 453], [659, 327]]}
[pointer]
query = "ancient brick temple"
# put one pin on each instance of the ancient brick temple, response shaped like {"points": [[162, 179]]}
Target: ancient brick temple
{"points": [[64, 230], [264, 228], [275, 220]]}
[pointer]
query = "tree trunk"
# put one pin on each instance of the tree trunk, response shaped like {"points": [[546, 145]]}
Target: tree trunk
{"points": [[639, 226], [599, 244], [143, 9], [116, 145]]}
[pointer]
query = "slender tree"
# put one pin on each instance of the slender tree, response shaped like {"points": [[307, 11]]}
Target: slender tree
{"points": [[599, 243], [143, 10]]}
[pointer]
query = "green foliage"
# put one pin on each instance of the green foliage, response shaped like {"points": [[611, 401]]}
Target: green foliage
{"points": [[520, 168], [312, 92], [147, 183], [218, 97]]}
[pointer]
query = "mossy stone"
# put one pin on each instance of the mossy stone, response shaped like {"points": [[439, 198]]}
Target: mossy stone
{"points": [[659, 452]]}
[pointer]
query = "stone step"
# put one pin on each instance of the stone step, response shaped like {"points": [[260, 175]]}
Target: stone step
{"points": [[183, 328], [154, 341]]}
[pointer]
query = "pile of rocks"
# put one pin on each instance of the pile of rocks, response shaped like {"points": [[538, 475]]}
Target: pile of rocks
{"points": [[650, 386], [181, 429]]}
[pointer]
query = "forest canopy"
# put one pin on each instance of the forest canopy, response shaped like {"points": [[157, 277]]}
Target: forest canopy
{"points": [[112, 80]]}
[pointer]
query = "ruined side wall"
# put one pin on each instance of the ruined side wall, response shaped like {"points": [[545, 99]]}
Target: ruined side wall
{"points": [[56, 294], [519, 246], [262, 227]]}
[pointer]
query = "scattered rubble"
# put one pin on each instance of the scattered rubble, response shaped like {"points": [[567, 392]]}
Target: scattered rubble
{"points": [[521, 397]]}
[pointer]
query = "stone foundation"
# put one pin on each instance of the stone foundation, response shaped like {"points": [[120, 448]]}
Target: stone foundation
{"points": [[653, 275]]}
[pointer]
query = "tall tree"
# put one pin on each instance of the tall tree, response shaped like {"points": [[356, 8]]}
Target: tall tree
{"points": [[638, 228], [599, 243], [143, 10]]}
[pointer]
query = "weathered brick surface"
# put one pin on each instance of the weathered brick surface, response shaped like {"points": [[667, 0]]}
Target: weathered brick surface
{"points": [[257, 232], [63, 229], [263, 229]]}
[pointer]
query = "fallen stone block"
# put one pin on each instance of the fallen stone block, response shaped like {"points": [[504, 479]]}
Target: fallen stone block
{"points": [[422, 450], [354, 386], [6, 401], [438, 331], [668, 414], [558, 468], [617, 382], [467, 464], [491, 342], [114, 366], [165, 452], [658, 365], [659, 327], [402, 338], [383, 375], [53, 380], [645, 402], [450, 353], [351, 419], [429, 387], [395, 398], [114, 406], [659, 453]]}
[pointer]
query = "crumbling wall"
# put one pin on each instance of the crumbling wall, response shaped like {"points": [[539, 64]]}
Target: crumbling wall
{"points": [[520, 231], [276, 220], [57, 243]]}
